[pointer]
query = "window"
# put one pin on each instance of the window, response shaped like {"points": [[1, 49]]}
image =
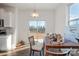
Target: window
{"points": [[74, 18], [37, 26], [72, 30], [74, 15], [37, 29]]}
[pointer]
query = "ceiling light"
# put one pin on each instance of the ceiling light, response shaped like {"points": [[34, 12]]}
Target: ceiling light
{"points": [[35, 14]]}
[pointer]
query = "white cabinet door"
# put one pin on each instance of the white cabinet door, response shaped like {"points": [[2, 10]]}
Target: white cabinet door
{"points": [[5, 42]]}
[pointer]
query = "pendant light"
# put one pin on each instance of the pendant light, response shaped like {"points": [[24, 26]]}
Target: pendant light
{"points": [[35, 14]]}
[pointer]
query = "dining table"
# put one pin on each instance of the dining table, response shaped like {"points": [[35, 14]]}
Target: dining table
{"points": [[66, 44]]}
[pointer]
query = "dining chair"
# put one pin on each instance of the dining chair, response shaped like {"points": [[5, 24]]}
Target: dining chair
{"points": [[75, 52], [35, 47], [56, 52]]}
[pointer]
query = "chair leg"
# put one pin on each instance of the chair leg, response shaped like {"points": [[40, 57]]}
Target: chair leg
{"points": [[33, 53], [43, 51], [40, 53], [68, 54], [30, 52]]}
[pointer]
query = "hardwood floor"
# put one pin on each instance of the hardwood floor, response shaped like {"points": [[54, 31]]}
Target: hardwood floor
{"points": [[23, 51], [19, 52]]}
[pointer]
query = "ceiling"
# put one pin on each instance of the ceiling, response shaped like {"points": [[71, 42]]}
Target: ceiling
{"points": [[39, 6]]}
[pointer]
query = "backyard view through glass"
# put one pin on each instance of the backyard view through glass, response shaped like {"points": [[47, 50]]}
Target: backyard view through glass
{"points": [[74, 15], [74, 21], [37, 28]]}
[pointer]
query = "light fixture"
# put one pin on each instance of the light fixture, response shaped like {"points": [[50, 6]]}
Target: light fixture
{"points": [[35, 14]]}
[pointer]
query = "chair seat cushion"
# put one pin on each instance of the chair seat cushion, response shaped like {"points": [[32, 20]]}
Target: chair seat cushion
{"points": [[38, 46]]}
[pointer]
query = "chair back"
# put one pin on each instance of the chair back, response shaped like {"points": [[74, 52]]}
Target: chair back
{"points": [[31, 41]]}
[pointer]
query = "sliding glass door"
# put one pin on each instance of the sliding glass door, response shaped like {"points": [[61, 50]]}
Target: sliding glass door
{"points": [[37, 29]]}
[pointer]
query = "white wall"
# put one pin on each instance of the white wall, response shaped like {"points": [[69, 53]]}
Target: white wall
{"points": [[14, 24], [55, 21], [25, 16], [18, 19], [60, 18]]}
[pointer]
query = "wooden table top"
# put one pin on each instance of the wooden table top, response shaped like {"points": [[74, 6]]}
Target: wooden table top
{"points": [[66, 44]]}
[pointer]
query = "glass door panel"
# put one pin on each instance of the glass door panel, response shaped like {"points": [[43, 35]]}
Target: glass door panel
{"points": [[37, 29]]}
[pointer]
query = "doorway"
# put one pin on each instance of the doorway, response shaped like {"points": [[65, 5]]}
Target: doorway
{"points": [[37, 28]]}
